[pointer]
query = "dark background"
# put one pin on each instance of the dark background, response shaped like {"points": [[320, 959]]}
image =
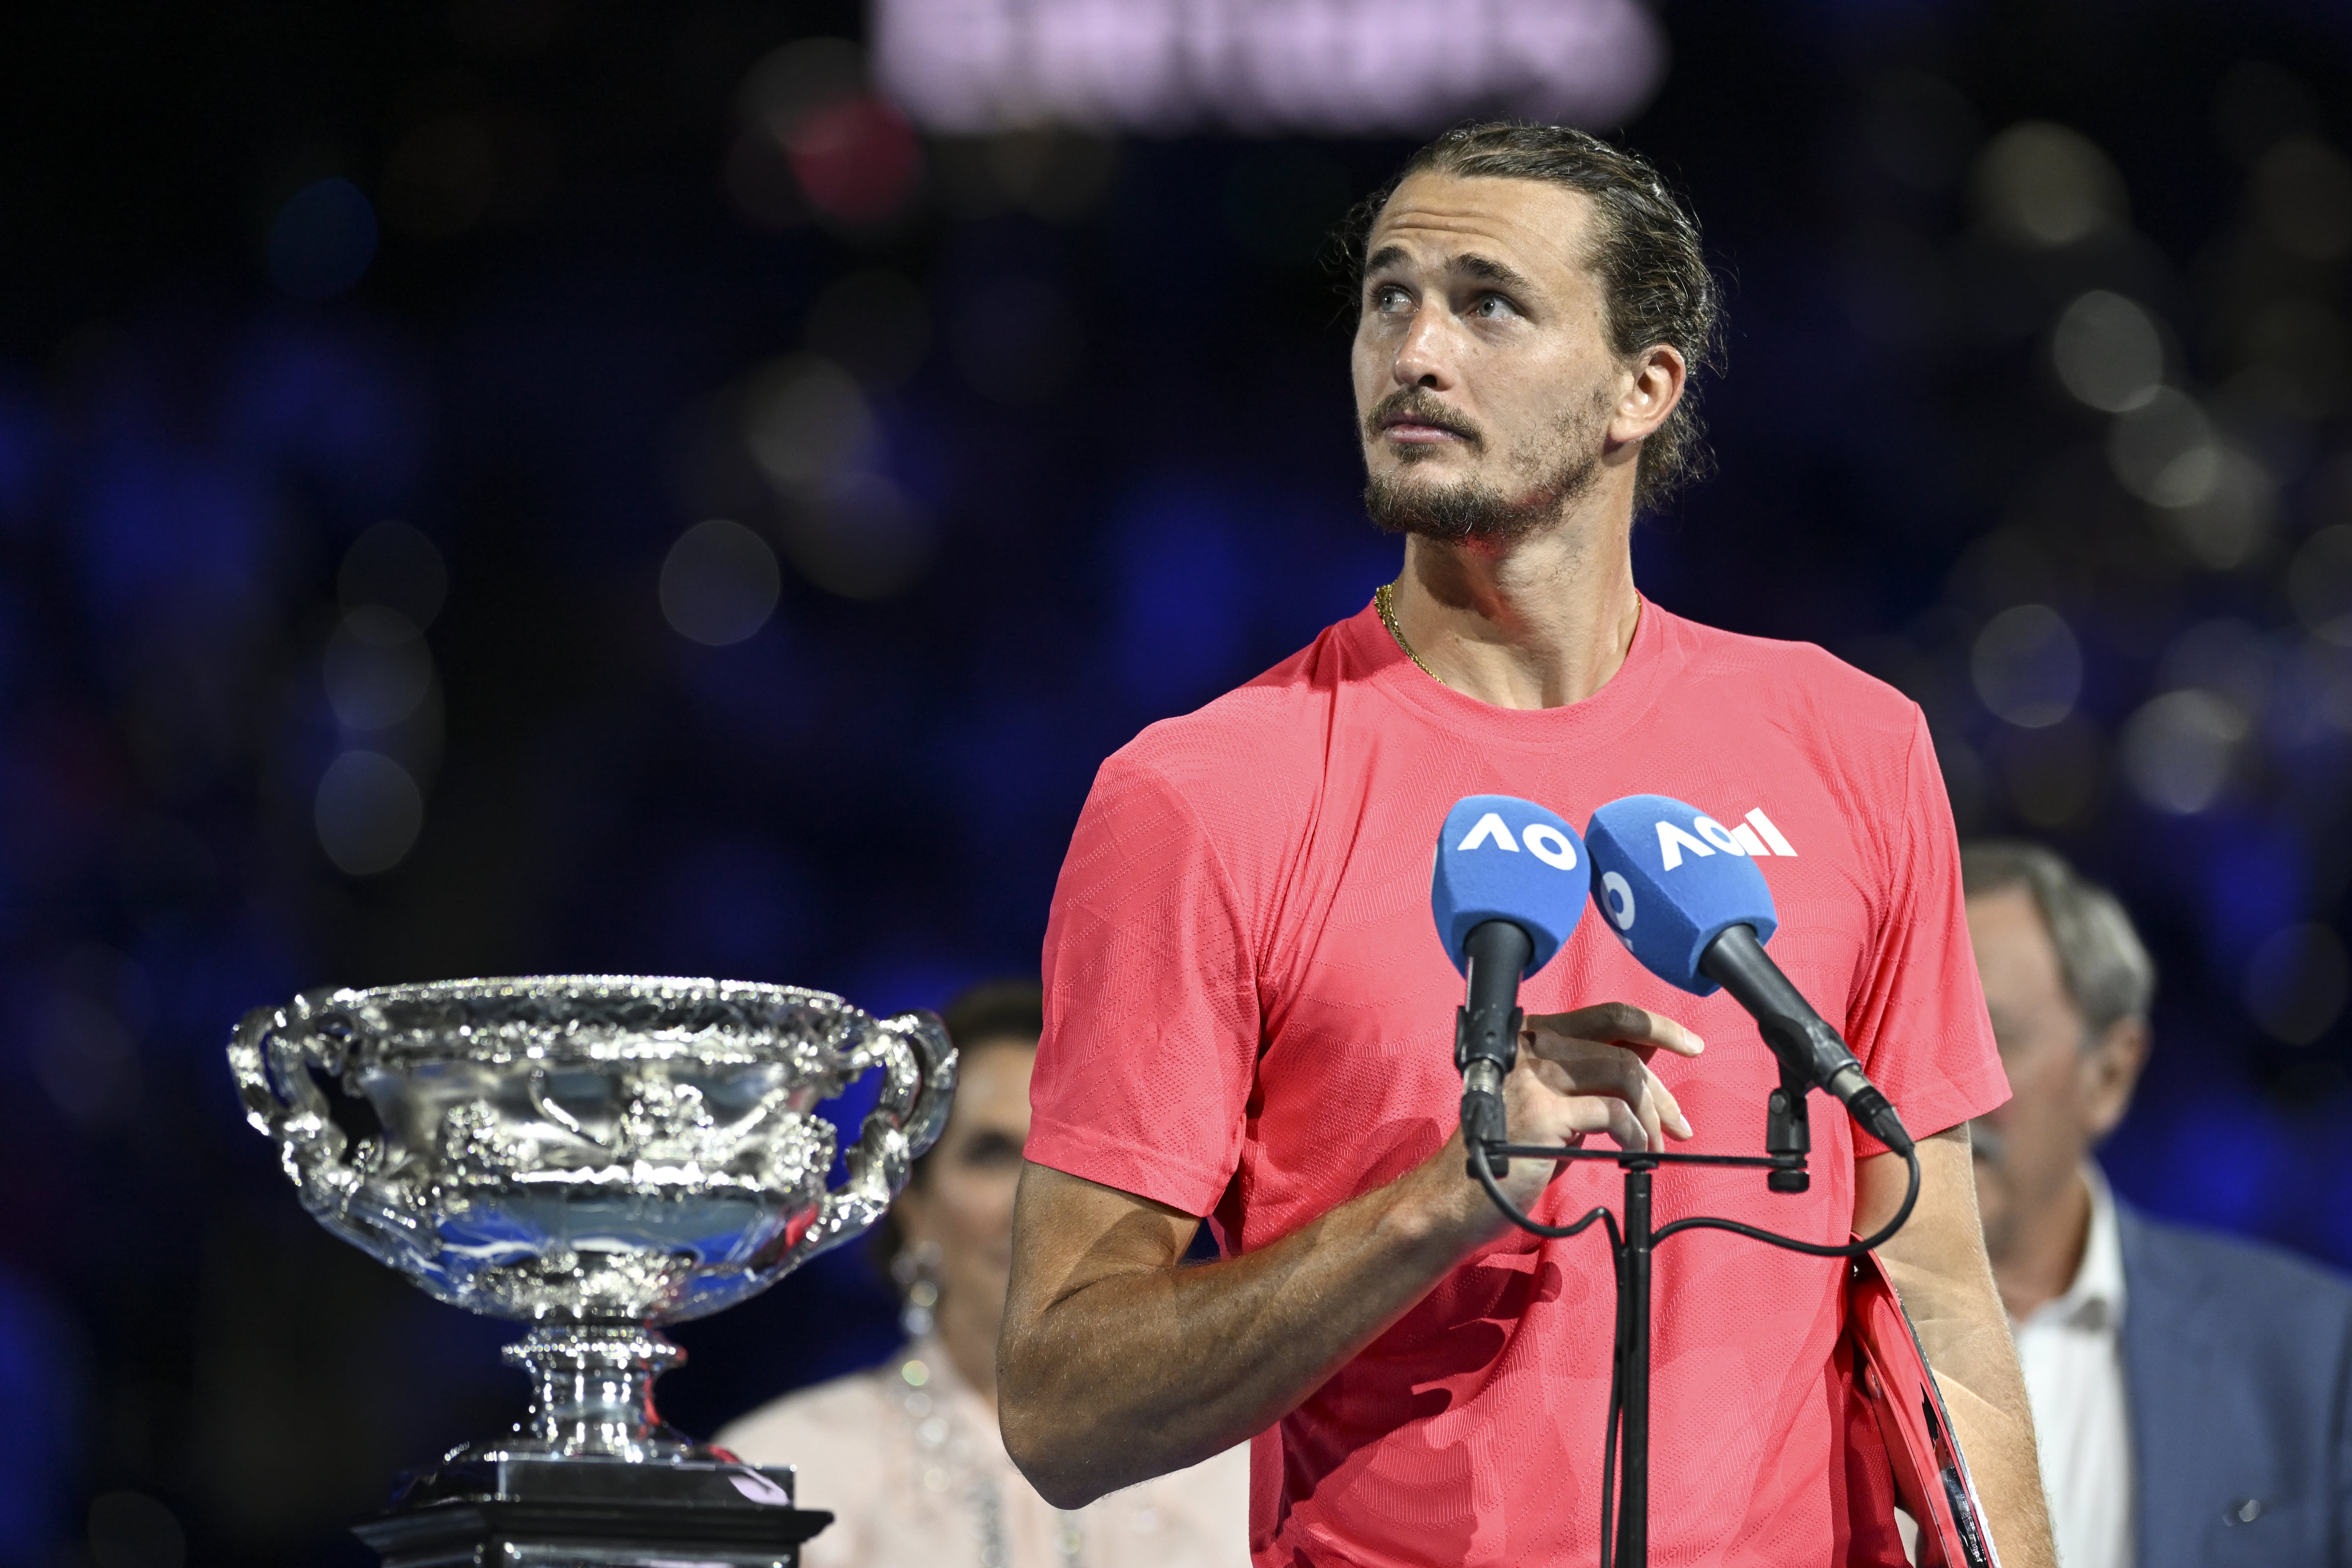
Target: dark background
{"points": [[526, 275]]}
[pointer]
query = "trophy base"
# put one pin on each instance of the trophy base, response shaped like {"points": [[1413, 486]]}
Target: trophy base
{"points": [[523, 1512]]}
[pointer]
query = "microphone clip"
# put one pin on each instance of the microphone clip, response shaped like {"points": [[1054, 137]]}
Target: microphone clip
{"points": [[1484, 1056], [1788, 1135]]}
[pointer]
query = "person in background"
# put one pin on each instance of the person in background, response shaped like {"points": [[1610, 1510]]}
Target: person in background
{"points": [[908, 1456], [2190, 1394]]}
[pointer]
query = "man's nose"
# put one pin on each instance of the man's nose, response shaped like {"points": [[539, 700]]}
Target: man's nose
{"points": [[1425, 357]]}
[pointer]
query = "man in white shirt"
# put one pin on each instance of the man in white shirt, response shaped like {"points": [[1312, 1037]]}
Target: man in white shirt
{"points": [[2192, 1395]]}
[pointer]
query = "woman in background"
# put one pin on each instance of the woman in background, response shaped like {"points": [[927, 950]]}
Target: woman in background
{"points": [[907, 1456]]}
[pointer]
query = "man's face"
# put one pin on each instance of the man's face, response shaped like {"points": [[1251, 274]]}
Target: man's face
{"points": [[1484, 384], [2065, 1090]]}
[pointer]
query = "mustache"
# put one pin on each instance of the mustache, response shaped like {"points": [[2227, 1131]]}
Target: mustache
{"points": [[1417, 405]]}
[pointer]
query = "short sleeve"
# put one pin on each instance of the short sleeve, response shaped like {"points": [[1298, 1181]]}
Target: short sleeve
{"points": [[1918, 1022], [1151, 1007]]}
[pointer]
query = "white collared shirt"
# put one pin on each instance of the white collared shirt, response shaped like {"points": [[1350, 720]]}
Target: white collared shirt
{"points": [[2072, 1351]]}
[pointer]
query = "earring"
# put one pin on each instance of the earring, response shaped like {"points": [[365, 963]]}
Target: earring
{"points": [[917, 1271]]}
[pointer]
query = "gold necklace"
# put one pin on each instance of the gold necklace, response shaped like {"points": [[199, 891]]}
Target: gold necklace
{"points": [[1383, 600]]}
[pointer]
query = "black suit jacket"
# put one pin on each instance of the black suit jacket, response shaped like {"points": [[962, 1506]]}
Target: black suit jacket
{"points": [[2238, 1374]]}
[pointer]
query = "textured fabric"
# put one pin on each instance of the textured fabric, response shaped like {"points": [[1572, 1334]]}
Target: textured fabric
{"points": [[2072, 1351], [917, 1477], [1249, 1016], [2238, 1364]]}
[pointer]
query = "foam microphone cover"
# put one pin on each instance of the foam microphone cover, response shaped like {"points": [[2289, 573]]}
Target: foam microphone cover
{"points": [[1503, 858], [1669, 879]]}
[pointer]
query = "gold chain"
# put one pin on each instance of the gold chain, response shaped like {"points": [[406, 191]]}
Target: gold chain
{"points": [[1383, 600]]}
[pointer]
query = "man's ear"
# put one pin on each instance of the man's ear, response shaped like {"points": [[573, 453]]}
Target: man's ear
{"points": [[2110, 1071], [1651, 393]]}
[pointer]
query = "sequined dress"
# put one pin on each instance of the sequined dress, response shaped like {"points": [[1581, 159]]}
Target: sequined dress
{"points": [[907, 1458]]}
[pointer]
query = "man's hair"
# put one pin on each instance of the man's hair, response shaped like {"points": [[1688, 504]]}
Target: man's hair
{"points": [[2106, 966], [996, 1010], [1655, 285]]}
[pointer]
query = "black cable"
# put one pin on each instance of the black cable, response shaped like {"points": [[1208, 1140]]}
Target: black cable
{"points": [[1608, 1434], [1478, 1168], [1697, 1222], [1810, 1248]]}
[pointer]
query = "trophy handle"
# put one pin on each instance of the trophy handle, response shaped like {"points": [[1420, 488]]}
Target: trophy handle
{"points": [[918, 1078], [271, 1056]]}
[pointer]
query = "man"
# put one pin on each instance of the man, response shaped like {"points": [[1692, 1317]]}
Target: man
{"points": [[2192, 1394], [1250, 1018]]}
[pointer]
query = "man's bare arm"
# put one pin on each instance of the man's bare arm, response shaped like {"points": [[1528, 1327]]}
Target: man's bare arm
{"points": [[1938, 1265], [1118, 1364]]}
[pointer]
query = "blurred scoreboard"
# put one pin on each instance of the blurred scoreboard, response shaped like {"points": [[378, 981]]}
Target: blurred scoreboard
{"points": [[1269, 67]]}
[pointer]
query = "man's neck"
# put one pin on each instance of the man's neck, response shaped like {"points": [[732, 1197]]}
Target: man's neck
{"points": [[2045, 1252], [1540, 622]]}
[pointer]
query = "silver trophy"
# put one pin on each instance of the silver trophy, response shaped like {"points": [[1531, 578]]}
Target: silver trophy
{"points": [[596, 1156]]}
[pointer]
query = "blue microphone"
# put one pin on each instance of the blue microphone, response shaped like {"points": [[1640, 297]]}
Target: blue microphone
{"points": [[1678, 888], [1507, 891]]}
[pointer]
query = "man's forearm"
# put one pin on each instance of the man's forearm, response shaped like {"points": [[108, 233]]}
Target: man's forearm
{"points": [[1135, 1368]]}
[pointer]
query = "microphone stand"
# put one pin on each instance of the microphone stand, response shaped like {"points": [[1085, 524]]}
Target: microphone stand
{"points": [[1788, 1138]]}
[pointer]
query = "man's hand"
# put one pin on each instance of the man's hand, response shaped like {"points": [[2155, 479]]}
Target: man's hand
{"points": [[1118, 1364], [1581, 1072]]}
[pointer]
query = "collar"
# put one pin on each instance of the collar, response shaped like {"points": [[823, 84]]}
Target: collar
{"points": [[2096, 1299]]}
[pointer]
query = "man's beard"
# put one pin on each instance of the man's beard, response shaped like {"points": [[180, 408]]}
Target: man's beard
{"points": [[1470, 511]]}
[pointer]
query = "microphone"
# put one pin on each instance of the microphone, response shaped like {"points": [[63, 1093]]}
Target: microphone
{"points": [[1507, 889], [1680, 891]]}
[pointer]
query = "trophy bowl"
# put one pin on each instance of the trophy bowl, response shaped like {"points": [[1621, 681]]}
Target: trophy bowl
{"points": [[594, 1156]]}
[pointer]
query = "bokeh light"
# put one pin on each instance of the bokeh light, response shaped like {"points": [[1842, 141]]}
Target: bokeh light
{"points": [[2303, 190], [806, 419], [394, 567], [2028, 666], [2319, 584], [2178, 750], [2297, 982], [860, 537], [377, 668], [856, 159], [322, 240], [2108, 351], [2042, 184], [2164, 450], [719, 584], [368, 813], [131, 1530]]}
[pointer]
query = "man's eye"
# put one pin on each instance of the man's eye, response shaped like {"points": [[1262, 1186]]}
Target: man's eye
{"points": [[1389, 299], [1492, 306]]}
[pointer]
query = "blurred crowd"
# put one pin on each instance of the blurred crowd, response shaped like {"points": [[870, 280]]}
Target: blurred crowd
{"points": [[530, 486]]}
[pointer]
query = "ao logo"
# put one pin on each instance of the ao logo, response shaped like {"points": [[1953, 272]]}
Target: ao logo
{"points": [[1618, 899], [1757, 835], [1545, 842]]}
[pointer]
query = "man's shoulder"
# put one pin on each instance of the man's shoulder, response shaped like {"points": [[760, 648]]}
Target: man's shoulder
{"points": [[2252, 1282], [1798, 681]]}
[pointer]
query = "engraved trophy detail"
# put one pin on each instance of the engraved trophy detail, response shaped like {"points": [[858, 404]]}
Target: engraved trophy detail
{"points": [[594, 1156]]}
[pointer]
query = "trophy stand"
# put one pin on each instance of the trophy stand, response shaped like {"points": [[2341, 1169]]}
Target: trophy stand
{"points": [[592, 1476]]}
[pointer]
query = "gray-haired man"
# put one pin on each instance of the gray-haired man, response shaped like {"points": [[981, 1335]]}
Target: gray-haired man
{"points": [[2190, 1394]]}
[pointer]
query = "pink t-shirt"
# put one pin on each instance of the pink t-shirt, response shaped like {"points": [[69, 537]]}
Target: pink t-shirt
{"points": [[1249, 1016]]}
